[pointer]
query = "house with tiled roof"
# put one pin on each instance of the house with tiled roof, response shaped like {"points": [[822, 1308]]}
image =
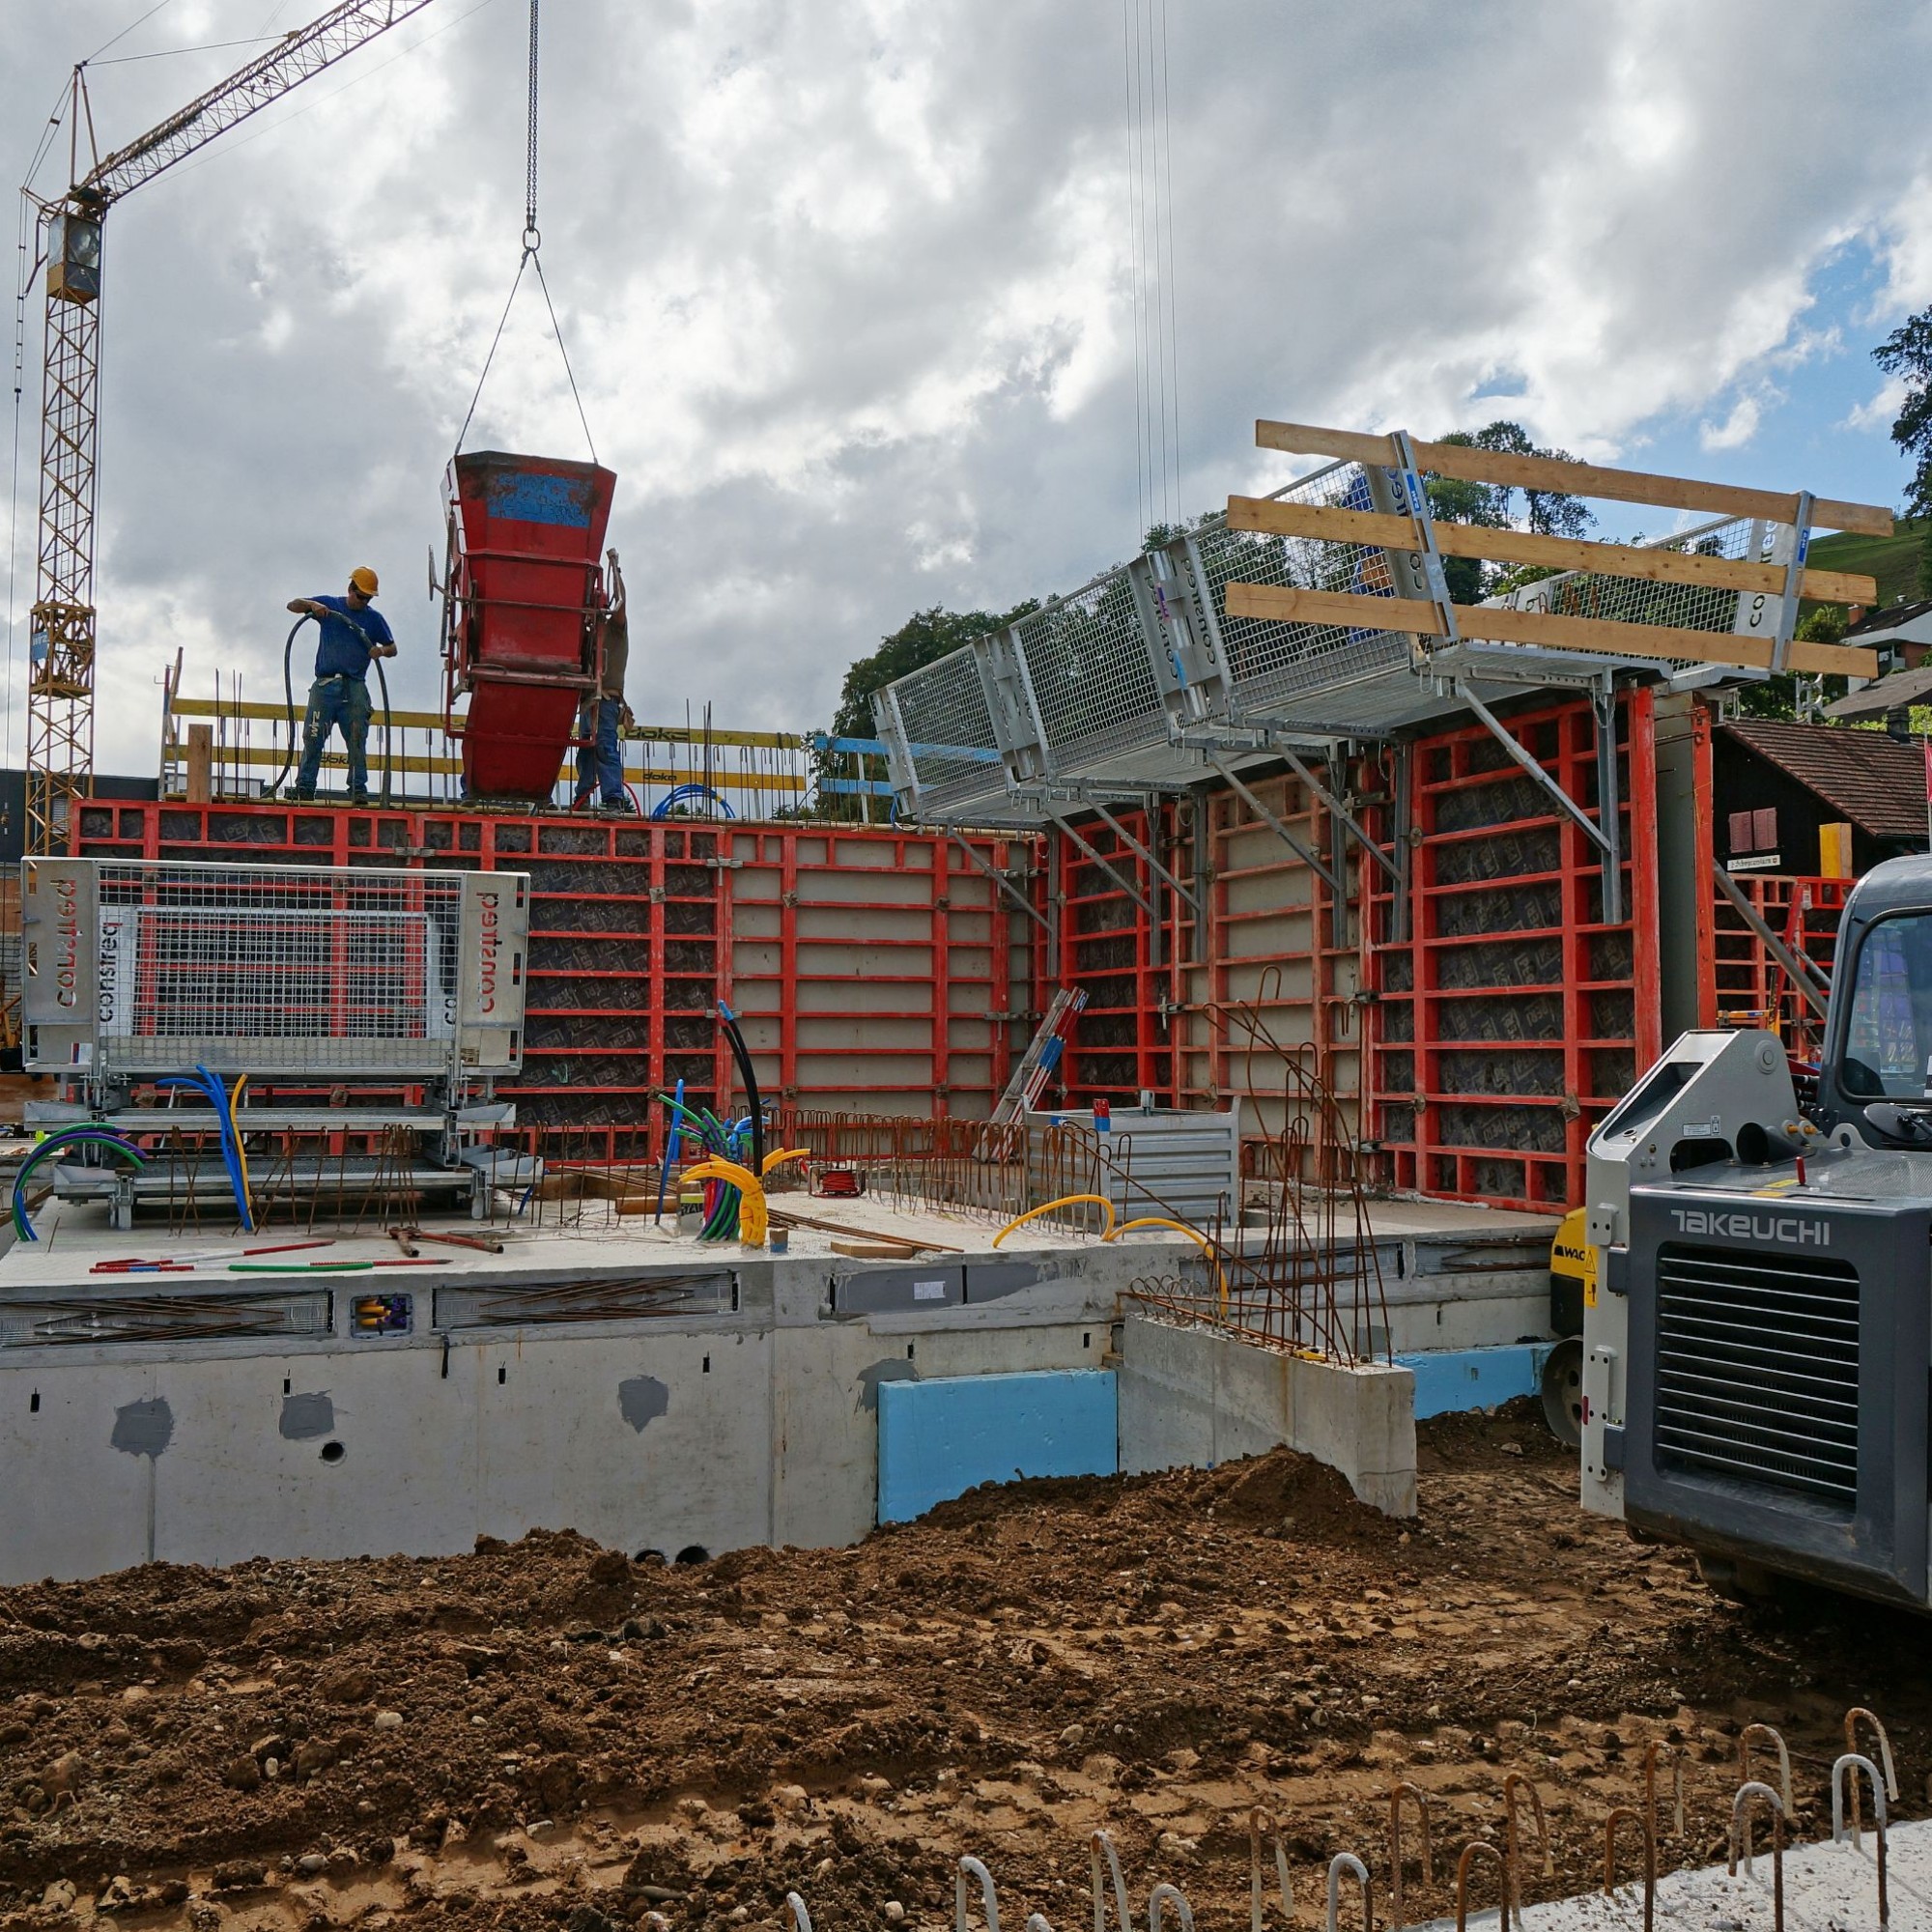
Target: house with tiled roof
{"points": [[1776, 786]]}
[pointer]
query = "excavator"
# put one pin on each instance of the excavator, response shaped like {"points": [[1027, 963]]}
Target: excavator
{"points": [[1755, 1279]]}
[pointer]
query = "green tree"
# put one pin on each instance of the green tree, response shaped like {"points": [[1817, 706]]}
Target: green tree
{"points": [[1494, 506], [1908, 352]]}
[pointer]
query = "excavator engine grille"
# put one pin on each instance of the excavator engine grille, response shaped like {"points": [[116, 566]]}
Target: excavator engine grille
{"points": [[1757, 1368]]}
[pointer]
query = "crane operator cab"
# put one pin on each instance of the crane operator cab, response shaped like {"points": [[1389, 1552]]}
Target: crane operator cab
{"points": [[1756, 1340]]}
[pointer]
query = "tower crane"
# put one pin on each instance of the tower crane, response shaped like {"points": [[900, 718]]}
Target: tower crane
{"points": [[60, 686]]}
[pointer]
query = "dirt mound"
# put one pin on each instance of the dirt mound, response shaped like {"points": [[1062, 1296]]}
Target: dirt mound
{"points": [[549, 1735], [1515, 1427]]}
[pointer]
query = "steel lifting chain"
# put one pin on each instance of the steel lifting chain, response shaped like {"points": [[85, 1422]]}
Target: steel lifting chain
{"points": [[532, 236]]}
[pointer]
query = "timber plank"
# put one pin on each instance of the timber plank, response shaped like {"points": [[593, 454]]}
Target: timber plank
{"points": [[1653, 565], [1499, 625], [1575, 479]]}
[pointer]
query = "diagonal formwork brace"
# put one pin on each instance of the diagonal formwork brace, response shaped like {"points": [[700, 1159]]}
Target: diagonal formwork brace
{"points": [[1501, 733], [1307, 855], [1133, 892], [1129, 839], [999, 878], [1335, 804]]}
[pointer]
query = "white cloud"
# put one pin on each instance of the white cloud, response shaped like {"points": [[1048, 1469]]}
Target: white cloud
{"points": [[1737, 428], [847, 288]]}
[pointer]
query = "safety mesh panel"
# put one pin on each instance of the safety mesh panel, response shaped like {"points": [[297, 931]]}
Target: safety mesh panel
{"points": [[1267, 659], [1633, 599], [943, 706], [1091, 676], [323, 969]]}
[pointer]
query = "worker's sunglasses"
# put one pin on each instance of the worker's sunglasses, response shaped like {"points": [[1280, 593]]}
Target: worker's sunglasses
{"points": [[356, 590]]}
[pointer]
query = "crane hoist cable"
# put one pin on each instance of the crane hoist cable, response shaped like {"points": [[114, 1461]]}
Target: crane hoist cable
{"points": [[530, 258]]}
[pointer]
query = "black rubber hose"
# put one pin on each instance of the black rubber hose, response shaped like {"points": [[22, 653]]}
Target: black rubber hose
{"points": [[388, 735], [289, 701], [743, 1057]]}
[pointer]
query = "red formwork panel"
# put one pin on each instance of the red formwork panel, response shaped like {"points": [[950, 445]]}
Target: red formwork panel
{"points": [[1272, 945], [1748, 986], [1125, 1041], [633, 941], [876, 969], [1514, 1015]]}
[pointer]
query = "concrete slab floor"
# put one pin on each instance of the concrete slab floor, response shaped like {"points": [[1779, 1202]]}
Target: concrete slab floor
{"points": [[1827, 1888], [74, 1235]]}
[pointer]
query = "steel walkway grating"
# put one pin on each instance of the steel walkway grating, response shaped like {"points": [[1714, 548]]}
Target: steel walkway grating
{"points": [[1757, 1368]]}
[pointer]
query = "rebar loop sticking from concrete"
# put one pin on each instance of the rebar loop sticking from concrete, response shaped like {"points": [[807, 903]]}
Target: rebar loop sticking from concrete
{"points": [[1397, 1793], [1160, 1899], [1505, 1878], [1316, 1248], [1513, 1783], [1646, 1824], [1099, 1845], [1776, 1739], [1853, 1763], [1347, 1862], [1650, 1756], [1852, 1717], [1739, 1840], [1261, 1823], [970, 1869]]}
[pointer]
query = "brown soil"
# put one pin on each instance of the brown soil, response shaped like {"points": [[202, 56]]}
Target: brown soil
{"points": [[552, 1735]]}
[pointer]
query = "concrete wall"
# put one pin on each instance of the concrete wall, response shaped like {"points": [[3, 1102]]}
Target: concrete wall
{"points": [[753, 1425], [1199, 1397]]}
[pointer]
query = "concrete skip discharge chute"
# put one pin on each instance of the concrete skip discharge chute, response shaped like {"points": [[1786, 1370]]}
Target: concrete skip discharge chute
{"points": [[524, 599]]}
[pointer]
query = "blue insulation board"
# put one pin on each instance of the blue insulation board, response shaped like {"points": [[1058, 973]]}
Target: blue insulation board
{"points": [[938, 1438], [1452, 1378]]}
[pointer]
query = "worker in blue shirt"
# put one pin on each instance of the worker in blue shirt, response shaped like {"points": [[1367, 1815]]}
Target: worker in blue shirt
{"points": [[353, 632]]}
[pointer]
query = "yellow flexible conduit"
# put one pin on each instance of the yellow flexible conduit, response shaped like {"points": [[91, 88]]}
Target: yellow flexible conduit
{"points": [[1064, 1200], [1180, 1228], [754, 1219]]}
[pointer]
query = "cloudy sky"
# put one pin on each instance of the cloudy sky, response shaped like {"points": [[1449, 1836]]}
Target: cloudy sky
{"points": [[851, 290]]}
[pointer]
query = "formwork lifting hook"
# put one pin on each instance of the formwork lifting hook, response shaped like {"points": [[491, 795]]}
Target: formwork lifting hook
{"points": [[1348, 1862], [1646, 1825], [1397, 1793], [1481, 1847], [1852, 1717], [1745, 1738], [1741, 1839], [1261, 1822], [1853, 1763]]}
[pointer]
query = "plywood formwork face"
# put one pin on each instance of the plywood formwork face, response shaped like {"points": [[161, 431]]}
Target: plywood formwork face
{"points": [[876, 973], [878, 970]]}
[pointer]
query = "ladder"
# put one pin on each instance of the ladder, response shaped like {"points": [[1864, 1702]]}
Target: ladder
{"points": [[1036, 1067]]}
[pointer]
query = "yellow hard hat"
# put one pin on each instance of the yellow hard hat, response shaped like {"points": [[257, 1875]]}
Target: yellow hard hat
{"points": [[364, 579]]}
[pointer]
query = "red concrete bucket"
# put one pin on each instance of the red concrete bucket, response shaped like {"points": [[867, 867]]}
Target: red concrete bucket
{"points": [[527, 536]]}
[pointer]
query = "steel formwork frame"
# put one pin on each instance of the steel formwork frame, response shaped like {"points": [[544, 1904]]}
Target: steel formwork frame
{"points": [[638, 929], [1516, 1014]]}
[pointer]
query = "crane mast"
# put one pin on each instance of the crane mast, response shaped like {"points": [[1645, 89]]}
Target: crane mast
{"points": [[61, 674]]}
